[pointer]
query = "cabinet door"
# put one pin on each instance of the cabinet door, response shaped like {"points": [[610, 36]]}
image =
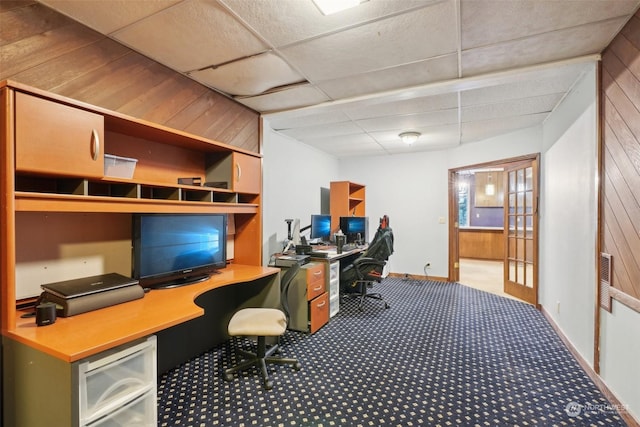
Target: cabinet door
{"points": [[57, 139], [247, 171], [318, 312]]}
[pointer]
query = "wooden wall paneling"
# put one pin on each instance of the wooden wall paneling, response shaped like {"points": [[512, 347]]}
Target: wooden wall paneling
{"points": [[47, 50], [62, 74], [43, 47], [620, 224]]}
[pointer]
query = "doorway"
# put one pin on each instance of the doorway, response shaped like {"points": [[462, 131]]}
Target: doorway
{"points": [[493, 226]]}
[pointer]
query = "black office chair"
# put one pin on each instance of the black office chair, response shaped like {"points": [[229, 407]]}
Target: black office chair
{"points": [[357, 278], [263, 323]]}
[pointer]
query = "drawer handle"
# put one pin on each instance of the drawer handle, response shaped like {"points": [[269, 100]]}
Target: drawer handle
{"points": [[239, 172], [317, 273], [321, 304], [317, 288], [95, 144]]}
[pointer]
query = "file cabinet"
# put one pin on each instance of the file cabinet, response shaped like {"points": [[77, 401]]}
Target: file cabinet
{"points": [[308, 299]]}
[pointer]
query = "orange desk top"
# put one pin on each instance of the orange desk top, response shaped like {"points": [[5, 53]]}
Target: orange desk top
{"points": [[74, 338]]}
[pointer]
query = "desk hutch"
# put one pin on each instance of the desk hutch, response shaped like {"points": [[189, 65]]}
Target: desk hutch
{"points": [[52, 161]]}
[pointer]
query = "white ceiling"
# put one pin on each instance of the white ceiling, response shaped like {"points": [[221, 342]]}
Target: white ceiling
{"points": [[457, 71]]}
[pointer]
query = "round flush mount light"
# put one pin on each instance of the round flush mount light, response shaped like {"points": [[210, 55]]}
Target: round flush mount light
{"points": [[409, 137]]}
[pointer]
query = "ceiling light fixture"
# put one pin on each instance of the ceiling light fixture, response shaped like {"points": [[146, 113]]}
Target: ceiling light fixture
{"points": [[327, 7], [409, 137]]}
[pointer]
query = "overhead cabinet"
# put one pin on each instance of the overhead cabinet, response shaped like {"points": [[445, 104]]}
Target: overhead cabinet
{"points": [[58, 139]]}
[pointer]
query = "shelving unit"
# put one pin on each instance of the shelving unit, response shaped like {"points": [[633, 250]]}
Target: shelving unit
{"points": [[346, 199], [52, 154], [53, 161]]}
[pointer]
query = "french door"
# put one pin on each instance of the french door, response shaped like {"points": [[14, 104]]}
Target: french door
{"points": [[521, 230]]}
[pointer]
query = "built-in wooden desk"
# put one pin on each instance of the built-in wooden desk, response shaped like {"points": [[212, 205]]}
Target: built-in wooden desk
{"points": [[74, 338]]}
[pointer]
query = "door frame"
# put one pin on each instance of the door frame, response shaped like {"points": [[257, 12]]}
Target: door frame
{"points": [[454, 240]]}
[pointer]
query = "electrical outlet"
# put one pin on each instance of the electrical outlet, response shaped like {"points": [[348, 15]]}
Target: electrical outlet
{"points": [[428, 265]]}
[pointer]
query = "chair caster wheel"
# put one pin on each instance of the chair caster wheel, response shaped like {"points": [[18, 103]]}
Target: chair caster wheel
{"points": [[297, 366], [387, 306], [268, 385], [227, 377]]}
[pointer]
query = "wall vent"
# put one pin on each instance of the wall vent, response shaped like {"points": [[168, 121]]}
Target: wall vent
{"points": [[606, 273]]}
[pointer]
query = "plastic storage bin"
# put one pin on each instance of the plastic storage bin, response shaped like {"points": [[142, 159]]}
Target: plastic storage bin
{"points": [[116, 379], [119, 167]]}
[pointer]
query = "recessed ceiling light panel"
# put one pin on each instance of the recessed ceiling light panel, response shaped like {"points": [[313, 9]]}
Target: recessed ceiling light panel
{"points": [[327, 7]]}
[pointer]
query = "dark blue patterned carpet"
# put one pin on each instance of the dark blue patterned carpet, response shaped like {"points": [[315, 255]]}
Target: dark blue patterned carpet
{"points": [[442, 355]]}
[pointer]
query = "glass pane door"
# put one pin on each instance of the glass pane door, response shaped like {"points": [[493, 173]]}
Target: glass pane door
{"points": [[521, 256]]}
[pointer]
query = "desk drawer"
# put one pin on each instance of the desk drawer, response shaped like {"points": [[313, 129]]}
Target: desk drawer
{"points": [[318, 312], [315, 280]]}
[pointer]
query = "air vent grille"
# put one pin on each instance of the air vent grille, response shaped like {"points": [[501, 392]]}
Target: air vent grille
{"points": [[605, 280]]}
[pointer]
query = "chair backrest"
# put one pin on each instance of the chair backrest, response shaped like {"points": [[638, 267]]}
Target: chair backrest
{"points": [[381, 247], [285, 283]]}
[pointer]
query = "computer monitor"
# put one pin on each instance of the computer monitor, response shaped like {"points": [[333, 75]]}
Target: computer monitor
{"points": [[356, 228], [321, 227]]}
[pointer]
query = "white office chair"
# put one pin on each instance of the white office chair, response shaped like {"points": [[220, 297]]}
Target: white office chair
{"points": [[262, 323]]}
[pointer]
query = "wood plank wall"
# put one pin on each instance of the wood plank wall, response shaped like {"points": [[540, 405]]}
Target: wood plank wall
{"points": [[44, 49], [620, 216]]}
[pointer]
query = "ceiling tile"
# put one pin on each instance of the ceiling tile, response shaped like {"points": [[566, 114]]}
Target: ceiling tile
{"points": [[312, 119], [250, 76], [560, 80], [486, 22], [394, 41], [303, 20], [410, 121], [476, 131], [322, 131], [296, 97], [572, 42], [408, 106], [509, 109], [417, 73], [191, 35], [108, 16]]}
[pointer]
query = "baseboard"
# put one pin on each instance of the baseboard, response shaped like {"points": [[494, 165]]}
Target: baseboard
{"points": [[625, 415], [418, 277]]}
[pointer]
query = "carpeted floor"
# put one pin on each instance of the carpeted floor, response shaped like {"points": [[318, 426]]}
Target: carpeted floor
{"points": [[442, 355]]}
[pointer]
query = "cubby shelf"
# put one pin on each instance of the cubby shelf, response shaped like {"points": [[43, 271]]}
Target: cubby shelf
{"points": [[34, 193]]}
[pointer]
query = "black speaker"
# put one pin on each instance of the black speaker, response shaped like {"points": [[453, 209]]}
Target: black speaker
{"points": [[45, 314]]}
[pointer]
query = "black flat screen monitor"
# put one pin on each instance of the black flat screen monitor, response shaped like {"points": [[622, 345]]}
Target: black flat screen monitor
{"points": [[355, 228], [172, 250], [321, 227]]}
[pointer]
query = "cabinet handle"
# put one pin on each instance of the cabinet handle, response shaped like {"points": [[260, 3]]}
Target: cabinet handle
{"points": [[238, 172], [317, 273], [317, 288], [95, 144], [322, 304]]}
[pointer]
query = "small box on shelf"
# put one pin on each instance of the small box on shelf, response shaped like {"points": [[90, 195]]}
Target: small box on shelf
{"points": [[119, 167]]}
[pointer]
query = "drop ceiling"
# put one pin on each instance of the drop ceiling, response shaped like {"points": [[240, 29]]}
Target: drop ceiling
{"points": [[457, 71]]}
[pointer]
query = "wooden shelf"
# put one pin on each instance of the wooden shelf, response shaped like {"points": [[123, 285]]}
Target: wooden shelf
{"points": [[346, 199], [75, 190], [58, 166]]}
